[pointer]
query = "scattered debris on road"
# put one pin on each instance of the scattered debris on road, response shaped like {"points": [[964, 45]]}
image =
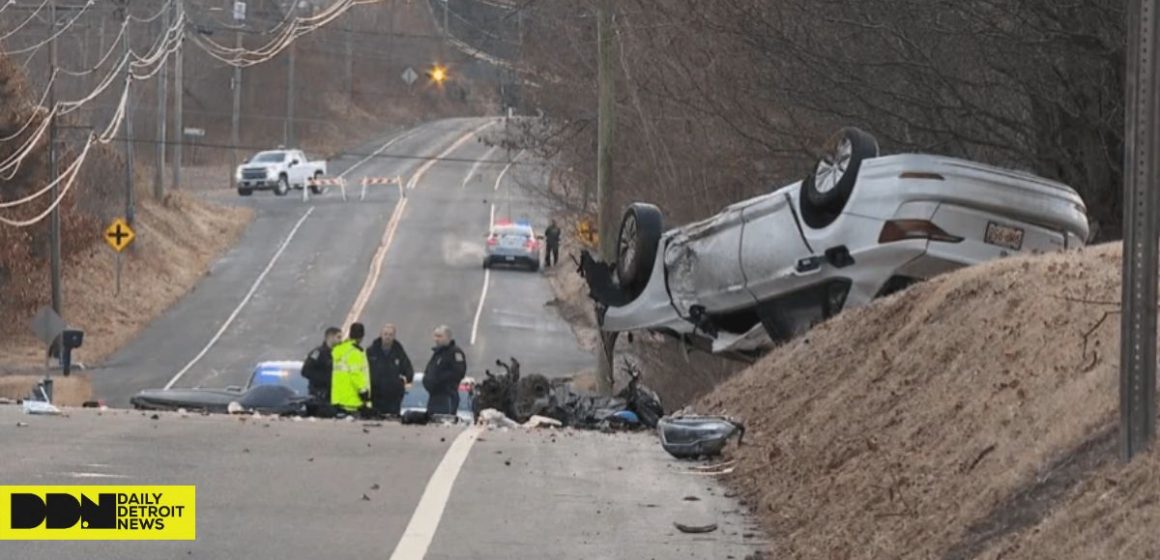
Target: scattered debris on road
{"points": [[521, 399], [692, 436], [695, 529]]}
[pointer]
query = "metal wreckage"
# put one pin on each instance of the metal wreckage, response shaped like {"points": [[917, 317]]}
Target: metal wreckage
{"points": [[521, 397]]}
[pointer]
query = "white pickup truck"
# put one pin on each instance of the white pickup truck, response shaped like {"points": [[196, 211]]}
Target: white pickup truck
{"points": [[278, 170]]}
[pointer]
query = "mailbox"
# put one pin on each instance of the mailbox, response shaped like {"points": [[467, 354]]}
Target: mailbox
{"points": [[69, 339]]}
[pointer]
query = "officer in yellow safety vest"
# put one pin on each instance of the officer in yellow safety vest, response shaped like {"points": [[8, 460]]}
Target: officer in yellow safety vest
{"points": [[350, 384]]}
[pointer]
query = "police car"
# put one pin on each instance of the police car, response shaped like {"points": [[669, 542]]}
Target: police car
{"points": [[513, 244], [275, 387], [416, 398]]}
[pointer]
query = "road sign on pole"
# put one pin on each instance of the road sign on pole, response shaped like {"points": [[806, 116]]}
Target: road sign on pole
{"points": [[194, 132], [1141, 227], [409, 75], [239, 11], [119, 235]]}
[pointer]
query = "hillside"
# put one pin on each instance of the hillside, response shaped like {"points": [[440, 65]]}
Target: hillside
{"points": [[969, 416]]}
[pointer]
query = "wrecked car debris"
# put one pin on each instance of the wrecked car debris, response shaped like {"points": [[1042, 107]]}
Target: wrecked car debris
{"points": [[692, 436], [520, 398], [695, 529]]}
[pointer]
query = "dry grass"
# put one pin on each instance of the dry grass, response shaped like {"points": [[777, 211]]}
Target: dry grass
{"points": [[910, 428], [176, 242], [572, 292]]}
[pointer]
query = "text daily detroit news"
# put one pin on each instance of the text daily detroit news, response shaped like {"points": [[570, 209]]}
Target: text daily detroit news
{"points": [[97, 513]]}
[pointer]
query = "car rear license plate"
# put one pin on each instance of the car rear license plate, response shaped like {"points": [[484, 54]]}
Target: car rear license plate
{"points": [[1004, 236], [510, 258]]}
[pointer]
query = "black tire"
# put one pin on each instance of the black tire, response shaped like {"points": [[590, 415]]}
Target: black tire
{"points": [[827, 189], [535, 266], [245, 192], [487, 262], [636, 246], [316, 189], [282, 187]]}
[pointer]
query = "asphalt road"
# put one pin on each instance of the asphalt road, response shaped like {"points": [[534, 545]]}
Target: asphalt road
{"points": [[303, 265], [276, 489], [283, 489]]}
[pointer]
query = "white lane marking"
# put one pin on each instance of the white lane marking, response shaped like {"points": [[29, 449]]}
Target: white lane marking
{"points": [[505, 170], [487, 273], [479, 310], [475, 166], [422, 170], [245, 300], [90, 475], [376, 153], [372, 278], [424, 522]]}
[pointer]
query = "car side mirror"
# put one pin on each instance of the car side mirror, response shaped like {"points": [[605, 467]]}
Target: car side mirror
{"points": [[293, 163], [539, 237]]}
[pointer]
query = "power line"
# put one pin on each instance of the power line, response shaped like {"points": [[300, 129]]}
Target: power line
{"points": [[370, 155]]}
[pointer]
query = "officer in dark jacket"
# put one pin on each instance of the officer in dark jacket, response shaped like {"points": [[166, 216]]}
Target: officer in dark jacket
{"points": [[552, 237], [443, 374], [318, 365], [391, 370]]}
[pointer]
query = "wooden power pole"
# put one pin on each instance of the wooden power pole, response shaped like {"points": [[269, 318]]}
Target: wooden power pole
{"points": [[606, 216]]}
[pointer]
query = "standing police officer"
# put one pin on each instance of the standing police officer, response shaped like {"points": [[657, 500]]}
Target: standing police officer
{"points": [[552, 237], [318, 365], [443, 374], [350, 385], [391, 370]]}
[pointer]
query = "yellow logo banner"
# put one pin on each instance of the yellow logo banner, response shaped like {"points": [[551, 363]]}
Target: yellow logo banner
{"points": [[98, 513]]}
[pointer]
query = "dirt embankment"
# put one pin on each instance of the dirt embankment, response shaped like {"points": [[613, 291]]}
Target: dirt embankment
{"points": [[972, 416], [176, 243]]}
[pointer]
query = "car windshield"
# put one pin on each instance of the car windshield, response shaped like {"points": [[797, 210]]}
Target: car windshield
{"points": [[270, 157], [513, 233], [288, 375]]}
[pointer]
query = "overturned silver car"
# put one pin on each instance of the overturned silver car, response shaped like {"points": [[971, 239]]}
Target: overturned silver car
{"points": [[859, 227]]}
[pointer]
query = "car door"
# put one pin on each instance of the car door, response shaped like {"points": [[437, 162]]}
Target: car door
{"points": [[704, 266], [298, 169], [771, 246]]}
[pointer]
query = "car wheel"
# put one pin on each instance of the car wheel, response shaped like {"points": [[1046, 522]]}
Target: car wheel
{"points": [[283, 186], [487, 262], [245, 192], [636, 246], [316, 189], [828, 188], [535, 266]]}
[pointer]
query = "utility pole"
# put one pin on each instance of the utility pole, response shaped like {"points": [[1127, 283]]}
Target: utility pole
{"points": [[349, 63], [604, 186], [446, 32], [237, 85], [53, 172], [130, 204], [1141, 226], [288, 135], [178, 97], [162, 98]]}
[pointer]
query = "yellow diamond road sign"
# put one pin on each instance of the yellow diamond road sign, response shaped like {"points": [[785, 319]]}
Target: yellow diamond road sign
{"points": [[119, 235]]}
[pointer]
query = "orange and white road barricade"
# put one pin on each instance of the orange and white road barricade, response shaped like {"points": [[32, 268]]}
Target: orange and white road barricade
{"points": [[322, 183], [368, 181]]}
